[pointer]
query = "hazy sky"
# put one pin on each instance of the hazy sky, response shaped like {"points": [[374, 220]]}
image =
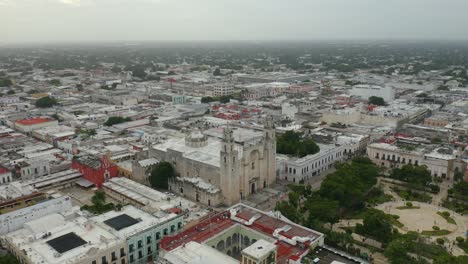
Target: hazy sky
{"points": [[133, 20]]}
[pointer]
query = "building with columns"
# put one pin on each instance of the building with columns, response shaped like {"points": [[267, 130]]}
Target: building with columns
{"points": [[221, 165], [441, 162]]}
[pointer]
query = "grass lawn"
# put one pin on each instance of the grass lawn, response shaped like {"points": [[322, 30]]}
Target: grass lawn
{"points": [[442, 232], [358, 214], [464, 246], [394, 221], [458, 207], [412, 196], [407, 207], [447, 217]]}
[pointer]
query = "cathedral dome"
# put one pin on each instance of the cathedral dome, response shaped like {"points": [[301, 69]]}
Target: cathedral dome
{"points": [[196, 139]]}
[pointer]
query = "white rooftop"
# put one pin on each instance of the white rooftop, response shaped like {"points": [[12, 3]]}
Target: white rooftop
{"points": [[195, 253], [34, 236], [259, 249], [209, 154], [146, 221], [153, 200]]}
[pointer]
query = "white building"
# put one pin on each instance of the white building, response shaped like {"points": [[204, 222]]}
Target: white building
{"points": [[289, 110], [440, 162], [223, 89], [298, 169], [53, 133], [9, 100], [196, 253], [143, 197], [365, 91], [30, 124], [14, 220], [34, 168], [259, 90], [65, 237], [5, 175]]}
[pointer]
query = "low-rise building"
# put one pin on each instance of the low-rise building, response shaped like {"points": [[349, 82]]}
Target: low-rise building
{"points": [[65, 237], [6, 100], [30, 124], [301, 169], [68, 235], [95, 170], [141, 231], [365, 91], [20, 210], [53, 134], [34, 168], [243, 233], [441, 162], [222, 89], [5, 175]]}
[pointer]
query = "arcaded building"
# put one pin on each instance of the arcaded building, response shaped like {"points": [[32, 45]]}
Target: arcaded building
{"points": [[221, 165]]}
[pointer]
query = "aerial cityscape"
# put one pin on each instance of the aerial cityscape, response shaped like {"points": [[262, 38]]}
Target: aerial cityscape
{"points": [[223, 132]]}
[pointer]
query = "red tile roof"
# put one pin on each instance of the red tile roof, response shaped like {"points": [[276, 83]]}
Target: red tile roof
{"points": [[175, 210], [3, 170], [266, 225], [34, 121]]}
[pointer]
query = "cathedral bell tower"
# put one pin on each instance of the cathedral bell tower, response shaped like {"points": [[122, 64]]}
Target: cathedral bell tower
{"points": [[270, 151], [229, 173]]}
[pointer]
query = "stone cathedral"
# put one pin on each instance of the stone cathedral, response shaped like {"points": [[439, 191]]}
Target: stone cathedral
{"points": [[221, 165]]}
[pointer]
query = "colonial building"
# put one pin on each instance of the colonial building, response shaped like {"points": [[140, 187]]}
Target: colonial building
{"points": [[221, 165], [95, 170], [441, 162], [302, 169]]}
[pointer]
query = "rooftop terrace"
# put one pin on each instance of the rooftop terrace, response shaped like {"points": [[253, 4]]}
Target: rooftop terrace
{"points": [[292, 240]]}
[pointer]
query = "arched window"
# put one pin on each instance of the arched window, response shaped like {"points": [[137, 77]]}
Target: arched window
{"points": [[220, 245]]}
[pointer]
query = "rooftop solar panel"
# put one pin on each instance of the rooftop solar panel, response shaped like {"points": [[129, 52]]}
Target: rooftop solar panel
{"points": [[66, 242], [120, 222]]}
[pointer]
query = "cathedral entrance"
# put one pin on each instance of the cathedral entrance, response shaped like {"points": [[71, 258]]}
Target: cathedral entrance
{"points": [[252, 188]]}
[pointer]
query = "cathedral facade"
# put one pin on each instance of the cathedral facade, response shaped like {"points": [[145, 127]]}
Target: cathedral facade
{"points": [[223, 165]]}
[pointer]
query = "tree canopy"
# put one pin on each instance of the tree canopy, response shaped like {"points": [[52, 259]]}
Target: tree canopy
{"points": [[160, 175], [292, 143], [8, 259], [4, 82], [418, 175], [461, 188], [46, 102], [222, 99], [55, 82], [99, 198], [443, 88], [217, 72], [411, 248], [323, 209], [99, 204], [349, 184], [207, 99], [113, 120], [341, 191], [377, 225], [375, 100]]}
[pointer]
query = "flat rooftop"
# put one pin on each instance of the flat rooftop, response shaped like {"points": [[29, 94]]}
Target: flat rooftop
{"points": [[66, 242], [34, 121], [61, 238], [259, 249], [120, 222], [196, 253], [262, 222], [129, 221]]}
